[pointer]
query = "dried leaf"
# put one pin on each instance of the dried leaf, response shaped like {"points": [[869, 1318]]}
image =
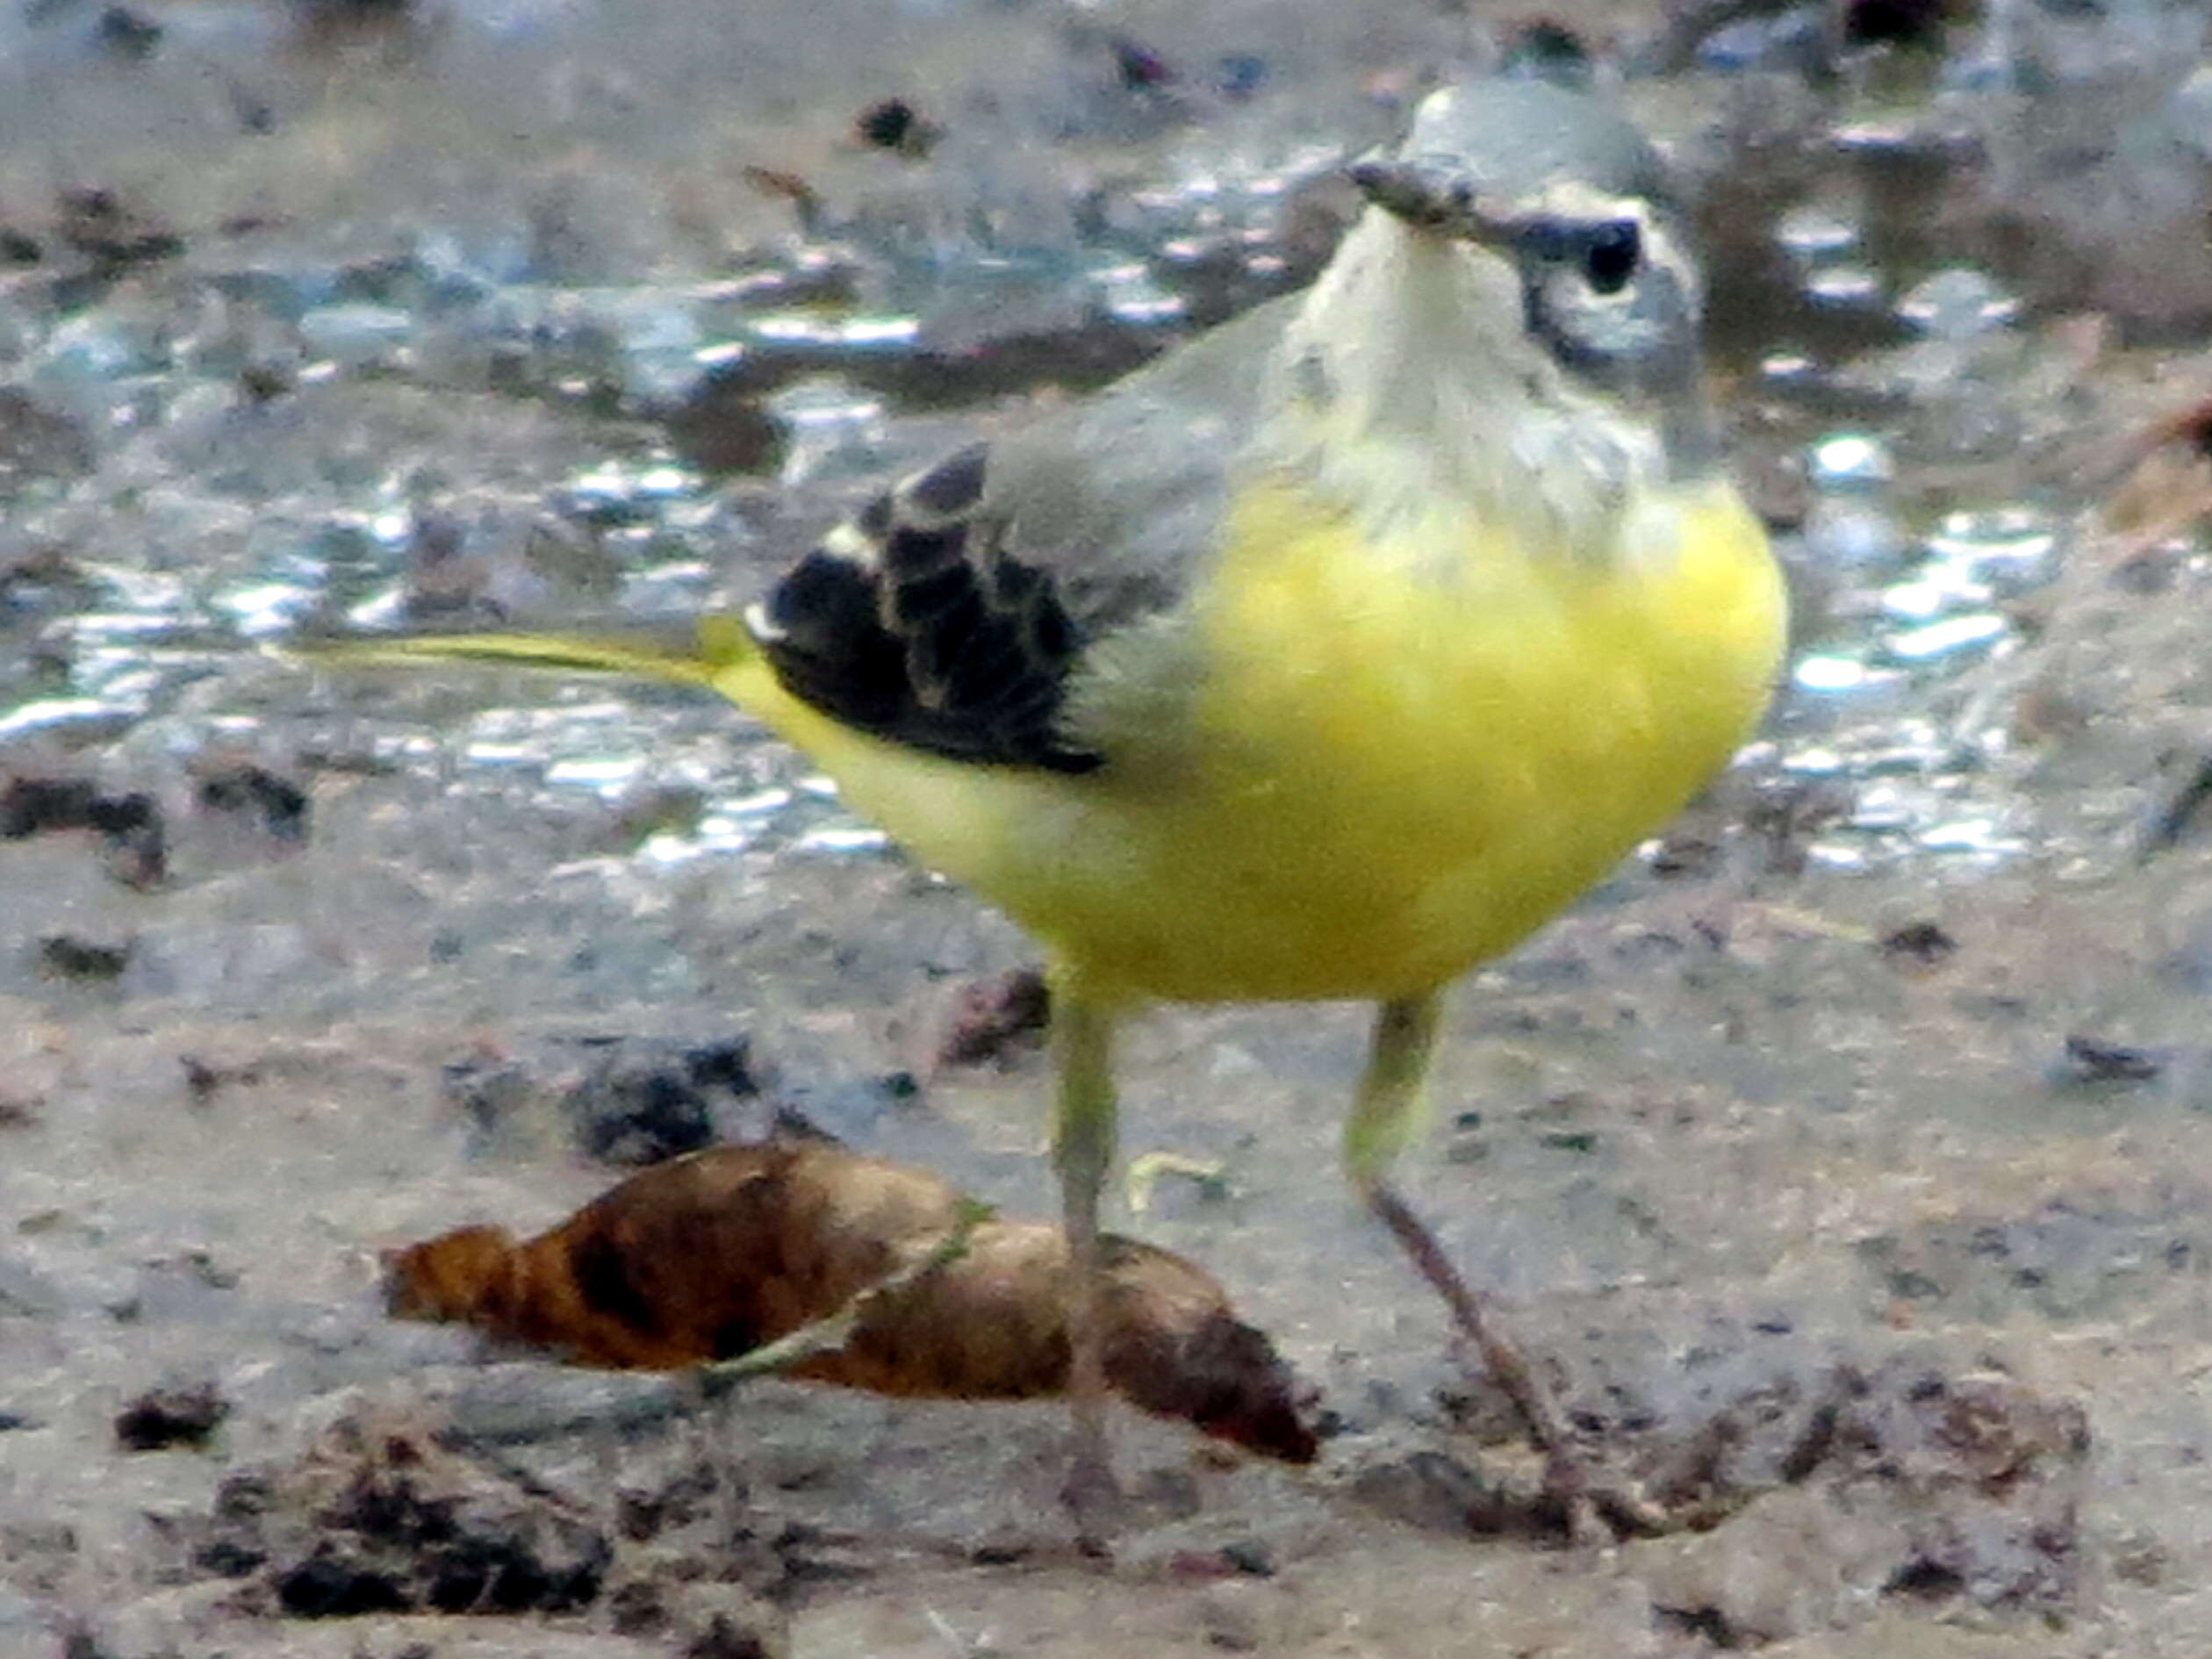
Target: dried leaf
{"points": [[712, 1256]]}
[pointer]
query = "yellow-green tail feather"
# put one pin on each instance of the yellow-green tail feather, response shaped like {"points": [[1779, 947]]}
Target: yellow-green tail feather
{"points": [[699, 653]]}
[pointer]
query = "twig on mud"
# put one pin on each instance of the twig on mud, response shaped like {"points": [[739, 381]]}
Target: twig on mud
{"points": [[829, 1334]]}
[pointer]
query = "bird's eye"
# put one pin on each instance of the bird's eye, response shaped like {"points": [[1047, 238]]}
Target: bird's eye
{"points": [[1610, 258]]}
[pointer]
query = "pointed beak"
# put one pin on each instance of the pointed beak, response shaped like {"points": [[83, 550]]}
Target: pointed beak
{"points": [[1433, 193]]}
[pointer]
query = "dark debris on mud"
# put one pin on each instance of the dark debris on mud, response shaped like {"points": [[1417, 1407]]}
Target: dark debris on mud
{"points": [[385, 1512], [1810, 1498], [376, 1517], [1850, 1482]]}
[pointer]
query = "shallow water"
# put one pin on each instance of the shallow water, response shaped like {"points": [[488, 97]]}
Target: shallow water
{"points": [[304, 320]]}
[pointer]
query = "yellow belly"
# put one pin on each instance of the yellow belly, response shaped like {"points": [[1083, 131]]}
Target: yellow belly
{"points": [[1396, 764]]}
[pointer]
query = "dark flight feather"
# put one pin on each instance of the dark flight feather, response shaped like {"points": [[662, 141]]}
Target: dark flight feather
{"points": [[914, 623]]}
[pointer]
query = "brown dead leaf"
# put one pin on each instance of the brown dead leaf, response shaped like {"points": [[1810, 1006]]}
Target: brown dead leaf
{"points": [[709, 1256]]}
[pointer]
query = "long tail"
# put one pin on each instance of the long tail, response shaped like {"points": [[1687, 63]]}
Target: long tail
{"points": [[947, 811], [713, 651]]}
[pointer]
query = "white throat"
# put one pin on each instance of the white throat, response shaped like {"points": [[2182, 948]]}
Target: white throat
{"points": [[1407, 386]]}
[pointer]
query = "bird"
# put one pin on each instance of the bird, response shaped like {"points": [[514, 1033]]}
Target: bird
{"points": [[1322, 658]]}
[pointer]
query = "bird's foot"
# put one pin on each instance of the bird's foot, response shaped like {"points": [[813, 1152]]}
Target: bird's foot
{"points": [[1602, 1504], [1095, 1500]]}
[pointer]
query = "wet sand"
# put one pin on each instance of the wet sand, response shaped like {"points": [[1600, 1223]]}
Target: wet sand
{"points": [[1754, 1118]]}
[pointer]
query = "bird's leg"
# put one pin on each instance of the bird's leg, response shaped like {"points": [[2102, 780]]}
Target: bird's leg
{"points": [[1385, 1118], [1083, 1131]]}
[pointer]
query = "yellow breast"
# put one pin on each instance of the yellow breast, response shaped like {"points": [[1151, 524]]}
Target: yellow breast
{"points": [[1399, 759]]}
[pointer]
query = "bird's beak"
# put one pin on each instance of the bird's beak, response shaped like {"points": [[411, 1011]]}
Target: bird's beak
{"points": [[1433, 193]]}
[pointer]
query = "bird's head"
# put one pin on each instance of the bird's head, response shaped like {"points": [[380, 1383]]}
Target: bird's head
{"points": [[1551, 182]]}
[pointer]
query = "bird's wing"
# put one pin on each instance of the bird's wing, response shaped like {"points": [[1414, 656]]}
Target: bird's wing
{"points": [[959, 611]]}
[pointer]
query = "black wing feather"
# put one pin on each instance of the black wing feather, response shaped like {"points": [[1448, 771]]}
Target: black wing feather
{"points": [[914, 623]]}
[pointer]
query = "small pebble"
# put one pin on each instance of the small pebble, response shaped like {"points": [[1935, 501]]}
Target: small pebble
{"points": [[997, 1018], [280, 803], [896, 126], [165, 1417], [63, 955], [1922, 942], [2094, 1060]]}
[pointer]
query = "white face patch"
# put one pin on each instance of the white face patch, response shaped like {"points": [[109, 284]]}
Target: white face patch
{"points": [[1428, 366]]}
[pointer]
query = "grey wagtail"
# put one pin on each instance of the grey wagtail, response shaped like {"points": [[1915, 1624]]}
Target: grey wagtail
{"points": [[1325, 657]]}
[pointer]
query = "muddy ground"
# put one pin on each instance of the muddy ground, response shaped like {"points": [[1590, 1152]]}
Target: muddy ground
{"points": [[1862, 1172]]}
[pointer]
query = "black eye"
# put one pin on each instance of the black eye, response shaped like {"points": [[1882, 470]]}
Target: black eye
{"points": [[1610, 258]]}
